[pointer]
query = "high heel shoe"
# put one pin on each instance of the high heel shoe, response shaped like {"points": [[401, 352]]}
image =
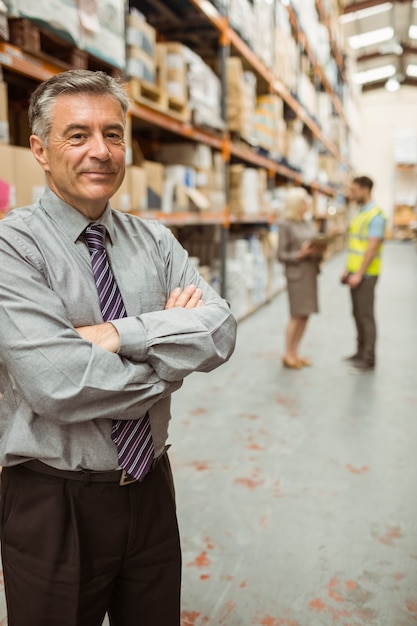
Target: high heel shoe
{"points": [[293, 365]]}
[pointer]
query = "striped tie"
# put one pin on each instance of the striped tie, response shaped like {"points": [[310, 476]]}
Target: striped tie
{"points": [[133, 438]]}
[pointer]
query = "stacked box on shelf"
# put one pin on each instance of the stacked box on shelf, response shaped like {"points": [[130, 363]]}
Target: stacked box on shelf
{"points": [[172, 69], [141, 48], [103, 31], [247, 190], [324, 110], [247, 275], [307, 94], [270, 127], [4, 114], [208, 166], [286, 59], [241, 18], [211, 184], [155, 180], [286, 51], [132, 194], [179, 188], [7, 180], [198, 172], [204, 92], [4, 23], [183, 75], [241, 99], [263, 32], [24, 177], [297, 147], [61, 17]]}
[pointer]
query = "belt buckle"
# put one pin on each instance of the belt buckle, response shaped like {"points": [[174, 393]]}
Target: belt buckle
{"points": [[126, 479]]}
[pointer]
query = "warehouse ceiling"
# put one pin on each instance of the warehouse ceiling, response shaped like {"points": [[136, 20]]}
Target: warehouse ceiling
{"points": [[383, 39]]}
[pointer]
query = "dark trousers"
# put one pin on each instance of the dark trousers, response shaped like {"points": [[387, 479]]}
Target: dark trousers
{"points": [[72, 551], [363, 297]]}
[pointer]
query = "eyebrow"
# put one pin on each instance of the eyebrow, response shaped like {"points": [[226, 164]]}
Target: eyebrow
{"points": [[86, 127]]}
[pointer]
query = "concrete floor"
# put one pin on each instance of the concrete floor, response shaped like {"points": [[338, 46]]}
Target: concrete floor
{"points": [[297, 489]]}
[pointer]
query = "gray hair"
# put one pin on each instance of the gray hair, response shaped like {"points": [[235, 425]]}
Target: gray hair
{"points": [[43, 99]]}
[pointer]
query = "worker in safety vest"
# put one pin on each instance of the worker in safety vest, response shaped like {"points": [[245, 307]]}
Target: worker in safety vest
{"points": [[366, 235]]}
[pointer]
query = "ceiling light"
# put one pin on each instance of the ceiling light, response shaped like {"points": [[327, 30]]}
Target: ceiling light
{"points": [[412, 31], [392, 84], [368, 12], [411, 70], [375, 74], [371, 38]]}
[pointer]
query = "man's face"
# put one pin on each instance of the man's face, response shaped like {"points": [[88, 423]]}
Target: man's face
{"points": [[85, 158], [359, 194]]}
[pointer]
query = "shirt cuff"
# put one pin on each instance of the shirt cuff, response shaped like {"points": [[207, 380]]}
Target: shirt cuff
{"points": [[132, 338]]}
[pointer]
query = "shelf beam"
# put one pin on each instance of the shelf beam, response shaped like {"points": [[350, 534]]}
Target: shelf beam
{"points": [[26, 64], [302, 38]]}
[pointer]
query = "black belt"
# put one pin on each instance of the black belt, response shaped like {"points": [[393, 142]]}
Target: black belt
{"points": [[119, 476]]}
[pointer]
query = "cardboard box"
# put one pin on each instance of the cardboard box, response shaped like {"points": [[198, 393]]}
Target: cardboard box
{"points": [[121, 200], [155, 173], [140, 65], [241, 98], [137, 182], [7, 180], [172, 70], [140, 34], [4, 116], [186, 153], [30, 178]]}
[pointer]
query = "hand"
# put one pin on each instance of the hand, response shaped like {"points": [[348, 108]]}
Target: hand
{"points": [[344, 278], [188, 298], [104, 335], [354, 280], [305, 250], [317, 250]]}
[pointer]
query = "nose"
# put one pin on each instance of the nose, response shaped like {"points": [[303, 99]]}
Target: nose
{"points": [[99, 148]]}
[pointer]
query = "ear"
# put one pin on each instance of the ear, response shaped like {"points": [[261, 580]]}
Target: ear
{"points": [[39, 151]]}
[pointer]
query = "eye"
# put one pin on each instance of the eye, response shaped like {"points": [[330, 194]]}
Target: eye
{"points": [[115, 138], [77, 138]]}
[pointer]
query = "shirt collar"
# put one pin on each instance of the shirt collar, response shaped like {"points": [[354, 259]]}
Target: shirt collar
{"points": [[367, 206], [69, 219]]}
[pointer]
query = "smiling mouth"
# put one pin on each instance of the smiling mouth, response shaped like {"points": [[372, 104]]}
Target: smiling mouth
{"points": [[99, 175]]}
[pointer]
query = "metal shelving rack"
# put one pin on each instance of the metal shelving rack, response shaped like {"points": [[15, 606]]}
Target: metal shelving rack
{"points": [[229, 42]]}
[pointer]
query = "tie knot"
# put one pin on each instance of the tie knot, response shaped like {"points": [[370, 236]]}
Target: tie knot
{"points": [[95, 235]]}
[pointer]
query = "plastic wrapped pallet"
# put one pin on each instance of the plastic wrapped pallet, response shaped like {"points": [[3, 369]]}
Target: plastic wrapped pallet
{"points": [[103, 30], [60, 17]]}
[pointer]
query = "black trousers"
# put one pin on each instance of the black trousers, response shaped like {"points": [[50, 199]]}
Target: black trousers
{"points": [[73, 551], [363, 297]]}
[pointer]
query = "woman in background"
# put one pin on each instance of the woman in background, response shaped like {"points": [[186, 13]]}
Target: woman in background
{"points": [[301, 257]]}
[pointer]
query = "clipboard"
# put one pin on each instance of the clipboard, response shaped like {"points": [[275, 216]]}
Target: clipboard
{"points": [[321, 239]]}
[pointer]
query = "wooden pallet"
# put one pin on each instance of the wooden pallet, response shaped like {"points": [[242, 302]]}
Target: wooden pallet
{"points": [[178, 108], [50, 47], [154, 97]]}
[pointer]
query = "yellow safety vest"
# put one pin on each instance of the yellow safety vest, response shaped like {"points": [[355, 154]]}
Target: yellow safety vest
{"points": [[358, 242]]}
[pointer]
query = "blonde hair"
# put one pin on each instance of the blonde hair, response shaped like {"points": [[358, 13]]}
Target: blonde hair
{"points": [[295, 198]]}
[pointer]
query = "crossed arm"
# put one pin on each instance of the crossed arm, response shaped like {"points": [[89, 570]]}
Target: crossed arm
{"points": [[106, 336]]}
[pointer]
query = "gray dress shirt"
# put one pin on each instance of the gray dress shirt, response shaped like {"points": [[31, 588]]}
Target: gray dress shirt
{"points": [[60, 392]]}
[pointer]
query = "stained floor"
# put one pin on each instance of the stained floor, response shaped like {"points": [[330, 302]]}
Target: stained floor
{"points": [[297, 489]]}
